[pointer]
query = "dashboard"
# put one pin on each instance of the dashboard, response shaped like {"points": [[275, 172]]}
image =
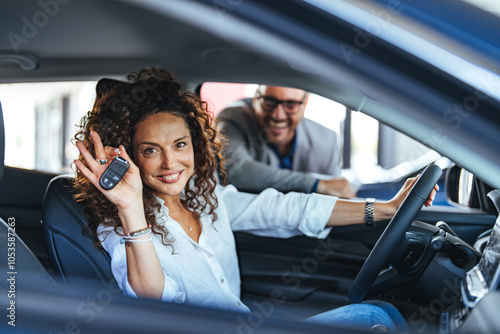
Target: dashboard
{"points": [[480, 281]]}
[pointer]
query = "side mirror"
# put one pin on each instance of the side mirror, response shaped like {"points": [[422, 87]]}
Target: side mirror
{"points": [[465, 190], [459, 186]]}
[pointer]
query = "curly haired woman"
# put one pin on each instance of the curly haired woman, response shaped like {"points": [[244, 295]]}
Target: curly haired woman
{"points": [[167, 224]]}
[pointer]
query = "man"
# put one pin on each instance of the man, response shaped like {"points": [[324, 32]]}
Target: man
{"points": [[271, 145]]}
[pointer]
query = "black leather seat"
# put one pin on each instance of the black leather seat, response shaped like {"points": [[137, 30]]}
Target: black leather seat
{"points": [[69, 244]]}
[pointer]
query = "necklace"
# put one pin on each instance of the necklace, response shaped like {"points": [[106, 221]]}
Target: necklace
{"points": [[188, 226], [180, 220]]}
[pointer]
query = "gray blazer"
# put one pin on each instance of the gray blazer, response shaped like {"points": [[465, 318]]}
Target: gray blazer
{"points": [[254, 166]]}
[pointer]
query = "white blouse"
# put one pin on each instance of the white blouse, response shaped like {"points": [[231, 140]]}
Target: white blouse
{"points": [[206, 273]]}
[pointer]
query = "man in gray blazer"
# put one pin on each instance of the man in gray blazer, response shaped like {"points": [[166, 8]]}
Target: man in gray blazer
{"points": [[272, 145]]}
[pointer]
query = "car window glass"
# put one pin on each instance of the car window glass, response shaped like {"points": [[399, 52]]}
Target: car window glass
{"points": [[48, 113], [376, 153], [40, 121]]}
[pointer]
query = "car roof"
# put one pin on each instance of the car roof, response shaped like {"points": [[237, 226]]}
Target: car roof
{"points": [[88, 39], [344, 50]]}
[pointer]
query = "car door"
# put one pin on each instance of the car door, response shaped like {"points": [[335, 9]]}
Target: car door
{"points": [[317, 273]]}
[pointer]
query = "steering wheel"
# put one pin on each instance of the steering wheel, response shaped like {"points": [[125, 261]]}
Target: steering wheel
{"points": [[394, 232]]}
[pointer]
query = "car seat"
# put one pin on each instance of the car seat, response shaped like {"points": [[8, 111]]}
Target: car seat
{"points": [[70, 245]]}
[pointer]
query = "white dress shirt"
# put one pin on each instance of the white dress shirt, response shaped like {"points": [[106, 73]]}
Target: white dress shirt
{"points": [[206, 273]]}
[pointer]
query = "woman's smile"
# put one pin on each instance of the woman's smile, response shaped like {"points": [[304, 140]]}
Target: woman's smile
{"points": [[170, 178]]}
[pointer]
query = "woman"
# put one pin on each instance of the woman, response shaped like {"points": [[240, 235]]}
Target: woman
{"points": [[167, 224]]}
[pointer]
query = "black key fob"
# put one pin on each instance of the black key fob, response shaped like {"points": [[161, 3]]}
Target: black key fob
{"points": [[114, 173]]}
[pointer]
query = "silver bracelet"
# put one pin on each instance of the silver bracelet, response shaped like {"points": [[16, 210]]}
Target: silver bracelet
{"points": [[134, 238]]}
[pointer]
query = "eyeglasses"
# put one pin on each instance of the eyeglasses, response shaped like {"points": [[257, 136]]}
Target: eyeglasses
{"points": [[269, 103]]}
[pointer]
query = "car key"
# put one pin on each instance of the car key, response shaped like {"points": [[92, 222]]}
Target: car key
{"points": [[114, 173]]}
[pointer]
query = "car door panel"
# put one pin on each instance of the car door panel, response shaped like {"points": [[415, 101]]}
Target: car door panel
{"points": [[302, 268]]}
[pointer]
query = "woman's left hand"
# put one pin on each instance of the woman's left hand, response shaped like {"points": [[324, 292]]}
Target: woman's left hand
{"points": [[397, 200]]}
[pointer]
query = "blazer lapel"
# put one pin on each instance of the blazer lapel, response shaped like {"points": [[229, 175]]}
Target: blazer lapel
{"points": [[302, 151]]}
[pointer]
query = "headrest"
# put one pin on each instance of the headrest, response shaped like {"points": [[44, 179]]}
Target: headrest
{"points": [[104, 85]]}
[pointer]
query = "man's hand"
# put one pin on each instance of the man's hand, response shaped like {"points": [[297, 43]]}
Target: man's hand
{"points": [[336, 187]]}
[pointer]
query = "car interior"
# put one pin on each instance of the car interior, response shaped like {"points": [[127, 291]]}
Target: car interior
{"points": [[437, 265]]}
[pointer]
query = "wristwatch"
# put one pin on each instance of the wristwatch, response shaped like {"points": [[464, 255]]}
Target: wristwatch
{"points": [[369, 206]]}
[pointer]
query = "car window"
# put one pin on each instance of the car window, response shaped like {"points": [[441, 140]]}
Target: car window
{"points": [[40, 121], [372, 152], [48, 113]]}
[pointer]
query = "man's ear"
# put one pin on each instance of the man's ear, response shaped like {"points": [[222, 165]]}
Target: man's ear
{"points": [[256, 96], [306, 100]]}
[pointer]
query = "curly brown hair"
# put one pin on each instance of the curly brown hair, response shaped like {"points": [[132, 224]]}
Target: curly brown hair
{"points": [[118, 109]]}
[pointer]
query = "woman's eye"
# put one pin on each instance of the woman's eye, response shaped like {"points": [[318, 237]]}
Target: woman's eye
{"points": [[180, 144], [150, 150]]}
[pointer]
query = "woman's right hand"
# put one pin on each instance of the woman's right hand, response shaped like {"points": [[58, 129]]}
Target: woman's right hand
{"points": [[129, 190]]}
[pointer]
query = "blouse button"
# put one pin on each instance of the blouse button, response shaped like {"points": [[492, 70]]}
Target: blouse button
{"points": [[222, 280]]}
